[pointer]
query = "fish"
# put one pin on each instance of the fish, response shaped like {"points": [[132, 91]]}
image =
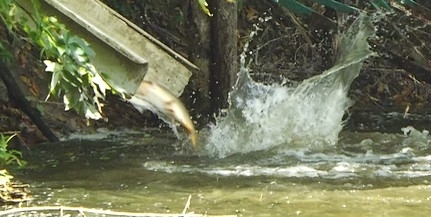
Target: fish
{"points": [[159, 100]]}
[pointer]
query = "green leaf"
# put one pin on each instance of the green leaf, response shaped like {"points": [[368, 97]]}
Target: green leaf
{"points": [[60, 50], [56, 70], [72, 97], [92, 113], [50, 66], [36, 8], [79, 42], [8, 156], [71, 76], [5, 55], [204, 6], [101, 84]]}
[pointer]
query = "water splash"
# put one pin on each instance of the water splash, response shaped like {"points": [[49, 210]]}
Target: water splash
{"points": [[365, 156], [310, 114]]}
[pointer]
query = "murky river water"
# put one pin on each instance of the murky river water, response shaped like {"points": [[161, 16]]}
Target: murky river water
{"points": [[365, 174]]}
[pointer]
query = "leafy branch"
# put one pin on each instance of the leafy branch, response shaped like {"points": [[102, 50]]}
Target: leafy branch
{"points": [[66, 56]]}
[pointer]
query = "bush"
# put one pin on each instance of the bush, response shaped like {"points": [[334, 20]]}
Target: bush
{"points": [[8, 157]]}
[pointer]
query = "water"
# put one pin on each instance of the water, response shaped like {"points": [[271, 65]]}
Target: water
{"points": [[307, 115], [278, 151], [365, 174]]}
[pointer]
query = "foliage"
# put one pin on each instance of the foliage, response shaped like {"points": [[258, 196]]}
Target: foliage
{"points": [[300, 8], [7, 10], [73, 75], [9, 156], [65, 55]]}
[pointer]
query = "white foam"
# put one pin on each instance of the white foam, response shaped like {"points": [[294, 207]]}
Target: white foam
{"points": [[262, 117], [303, 164]]}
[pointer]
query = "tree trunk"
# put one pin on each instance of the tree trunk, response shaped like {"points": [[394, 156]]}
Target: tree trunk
{"points": [[199, 53], [223, 51]]}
